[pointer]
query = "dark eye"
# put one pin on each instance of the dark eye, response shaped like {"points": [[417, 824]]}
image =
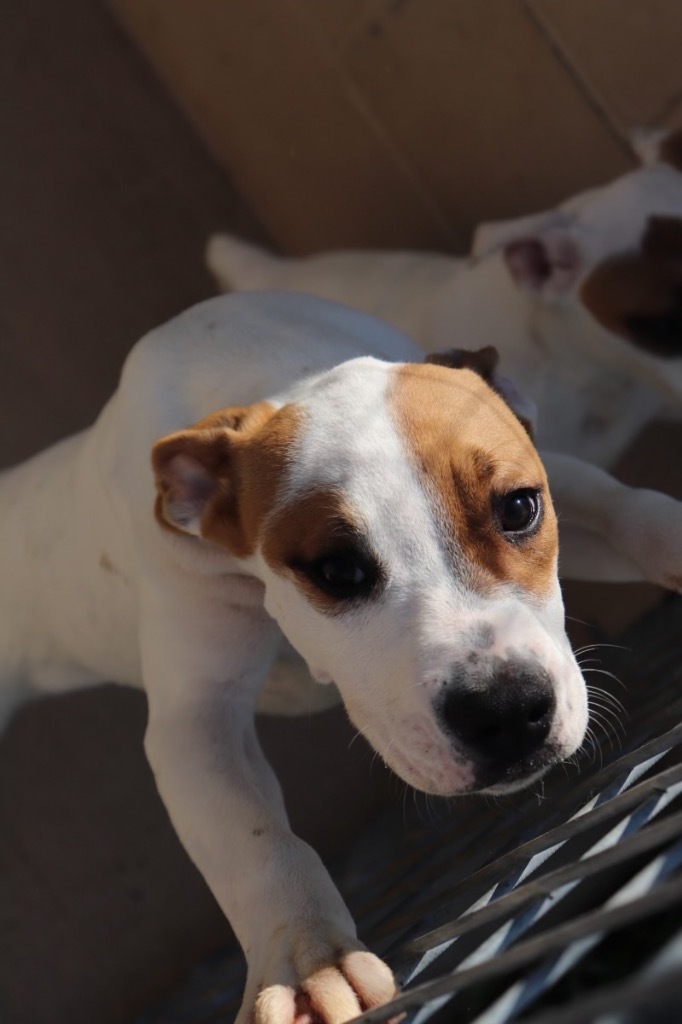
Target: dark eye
{"points": [[519, 510], [343, 574]]}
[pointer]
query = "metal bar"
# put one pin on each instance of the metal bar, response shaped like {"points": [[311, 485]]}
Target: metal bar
{"points": [[662, 898], [517, 859], [590, 864], [525, 991], [592, 788]]}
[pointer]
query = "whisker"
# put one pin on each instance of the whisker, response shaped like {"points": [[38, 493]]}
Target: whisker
{"points": [[598, 646], [607, 715], [609, 675], [612, 713], [594, 748], [353, 738], [581, 622], [598, 700], [604, 722], [604, 695]]}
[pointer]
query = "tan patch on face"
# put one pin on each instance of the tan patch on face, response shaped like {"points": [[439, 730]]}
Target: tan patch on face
{"points": [[638, 295], [309, 527], [470, 449], [670, 150], [245, 453]]}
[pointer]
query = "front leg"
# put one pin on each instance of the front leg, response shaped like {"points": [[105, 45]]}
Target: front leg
{"points": [[610, 532], [202, 673]]}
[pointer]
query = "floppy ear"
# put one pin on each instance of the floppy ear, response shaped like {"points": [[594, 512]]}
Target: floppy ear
{"points": [[189, 468], [540, 252], [484, 362], [196, 473]]}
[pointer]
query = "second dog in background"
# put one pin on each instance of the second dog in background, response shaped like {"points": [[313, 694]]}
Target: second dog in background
{"points": [[584, 303]]}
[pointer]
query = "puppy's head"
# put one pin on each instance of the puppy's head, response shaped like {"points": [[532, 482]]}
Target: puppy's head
{"points": [[400, 519], [606, 266]]}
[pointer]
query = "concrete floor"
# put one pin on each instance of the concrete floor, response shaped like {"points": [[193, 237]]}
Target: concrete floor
{"points": [[107, 199]]}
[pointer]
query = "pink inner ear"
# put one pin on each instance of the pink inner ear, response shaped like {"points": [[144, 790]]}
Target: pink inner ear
{"points": [[187, 485], [549, 263], [190, 477], [527, 263]]}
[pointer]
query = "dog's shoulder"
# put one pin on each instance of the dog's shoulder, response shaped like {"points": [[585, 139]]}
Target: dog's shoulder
{"points": [[241, 348]]}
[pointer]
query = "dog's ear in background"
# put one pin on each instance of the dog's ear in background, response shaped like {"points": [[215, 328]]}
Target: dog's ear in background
{"points": [[484, 362], [548, 254], [540, 252]]}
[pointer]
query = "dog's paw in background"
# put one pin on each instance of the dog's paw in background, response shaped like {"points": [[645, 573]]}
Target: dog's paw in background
{"points": [[316, 985]]}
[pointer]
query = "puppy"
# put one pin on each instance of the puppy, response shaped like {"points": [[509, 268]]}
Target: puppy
{"points": [[276, 468]]}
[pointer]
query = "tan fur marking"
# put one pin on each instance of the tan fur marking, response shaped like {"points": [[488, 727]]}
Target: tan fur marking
{"points": [[246, 450], [260, 460], [484, 362], [305, 529], [629, 289], [470, 448], [670, 149]]}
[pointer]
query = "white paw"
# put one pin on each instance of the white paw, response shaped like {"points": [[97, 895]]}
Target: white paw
{"points": [[328, 989]]}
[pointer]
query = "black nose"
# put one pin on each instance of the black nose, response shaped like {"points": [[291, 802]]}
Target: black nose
{"points": [[501, 717]]}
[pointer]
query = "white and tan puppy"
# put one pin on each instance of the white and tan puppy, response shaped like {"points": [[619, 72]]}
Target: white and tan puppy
{"points": [[271, 467], [584, 304]]}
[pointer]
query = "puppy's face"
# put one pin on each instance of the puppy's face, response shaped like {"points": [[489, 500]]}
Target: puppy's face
{"points": [[400, 519], [606, 267]]}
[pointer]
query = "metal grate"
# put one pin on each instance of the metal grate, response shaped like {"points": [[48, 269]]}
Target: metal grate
{"points": [[560, 906]]}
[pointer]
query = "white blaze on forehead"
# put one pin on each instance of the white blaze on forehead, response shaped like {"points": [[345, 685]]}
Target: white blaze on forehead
{"points": [[416, 454], [415, 451], [349, 443]]}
